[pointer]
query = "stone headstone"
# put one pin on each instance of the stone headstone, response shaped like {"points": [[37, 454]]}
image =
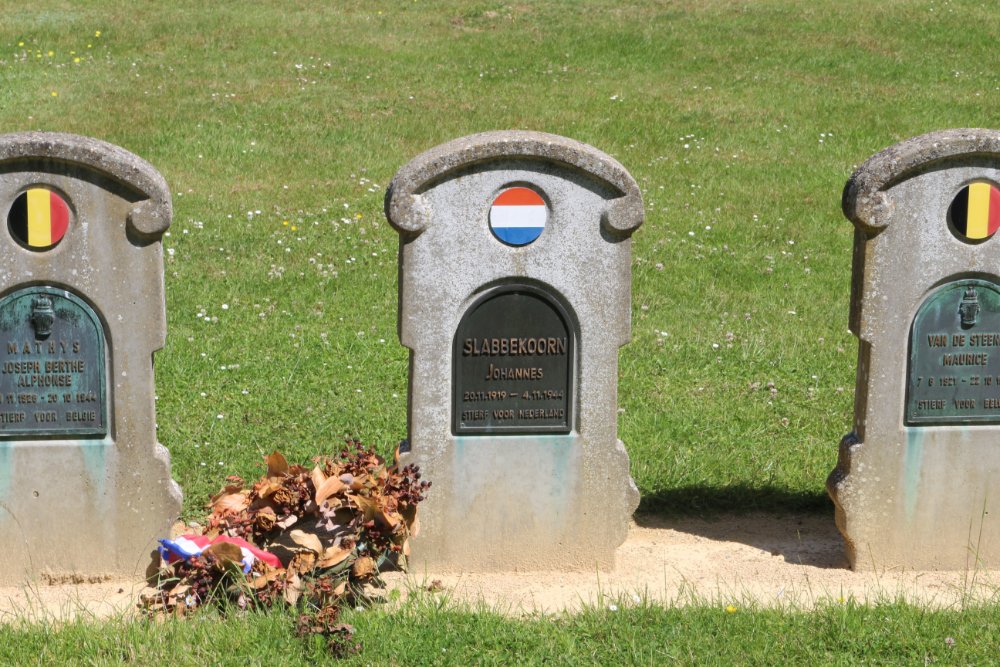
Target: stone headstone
{"points": [[85, 489], [917, 484], [514, 297]]}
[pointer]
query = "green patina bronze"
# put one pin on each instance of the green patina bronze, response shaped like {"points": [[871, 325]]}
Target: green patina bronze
{"points": [[954, 365], [52, 366]]}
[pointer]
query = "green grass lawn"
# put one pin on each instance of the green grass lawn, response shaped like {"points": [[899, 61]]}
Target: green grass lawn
{"points": [[428, 634], [279, 124]]}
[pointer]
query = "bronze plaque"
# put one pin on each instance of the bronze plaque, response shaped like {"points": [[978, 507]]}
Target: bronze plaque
{"points": [[954, 365], [513, 365], [52, 371]]}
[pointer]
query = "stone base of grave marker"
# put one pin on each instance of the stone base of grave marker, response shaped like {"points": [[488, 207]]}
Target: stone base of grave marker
{"points": [[85, 489], [917, 483], [515, 289]]}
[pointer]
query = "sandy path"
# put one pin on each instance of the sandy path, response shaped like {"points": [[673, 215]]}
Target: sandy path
{"points": [[758, 559]]}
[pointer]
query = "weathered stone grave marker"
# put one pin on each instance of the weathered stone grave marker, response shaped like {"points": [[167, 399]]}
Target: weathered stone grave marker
{"points": [[514, 297], [917, 484], [85, 488]]}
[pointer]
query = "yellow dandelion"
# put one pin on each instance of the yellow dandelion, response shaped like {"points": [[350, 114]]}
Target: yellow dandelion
{"points": [[294, 228], [357, 216], [20, 43], [51, 53], [730, 609], [76, 60], [90, 46], [55, 94], [97, 33], [285, 223]]}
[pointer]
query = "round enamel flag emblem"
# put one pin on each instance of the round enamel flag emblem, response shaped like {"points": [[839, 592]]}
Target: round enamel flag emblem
{"points": [[518, 216], [975, 211], [38, 219]]}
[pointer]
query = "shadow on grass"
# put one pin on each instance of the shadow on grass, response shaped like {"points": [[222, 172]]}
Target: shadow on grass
{"points": [[796, 526], [705, 501]]}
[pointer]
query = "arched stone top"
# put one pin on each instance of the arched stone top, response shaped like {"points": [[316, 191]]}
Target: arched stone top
{"points": [[409, 214], [149, 218], [864, 201]]}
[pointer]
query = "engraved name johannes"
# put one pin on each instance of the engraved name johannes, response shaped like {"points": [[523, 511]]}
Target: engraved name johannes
{"points": [[513, 359]]}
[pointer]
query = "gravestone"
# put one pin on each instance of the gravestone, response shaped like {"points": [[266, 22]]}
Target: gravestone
{"points": [[85, 489], [514, 297], [917, 484]]}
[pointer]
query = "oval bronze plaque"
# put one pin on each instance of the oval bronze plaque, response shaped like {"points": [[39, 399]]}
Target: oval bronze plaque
{"points": [[513, 365], [52, 372]]}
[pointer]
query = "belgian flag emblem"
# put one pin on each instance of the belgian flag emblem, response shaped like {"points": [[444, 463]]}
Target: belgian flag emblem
{"points": [[975, 211], [38, 218]]}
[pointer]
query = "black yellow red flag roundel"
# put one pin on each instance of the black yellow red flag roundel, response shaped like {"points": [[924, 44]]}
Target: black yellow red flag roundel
{"points": [[975, 211], [38, 218]]}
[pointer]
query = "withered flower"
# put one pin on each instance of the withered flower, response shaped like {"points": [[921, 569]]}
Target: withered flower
{"points": [[264, 520]]}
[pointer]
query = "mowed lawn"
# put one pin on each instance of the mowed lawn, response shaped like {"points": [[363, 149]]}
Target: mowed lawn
{"points": [[279, 124]]}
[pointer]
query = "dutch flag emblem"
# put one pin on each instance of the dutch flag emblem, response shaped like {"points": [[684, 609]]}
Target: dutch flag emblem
{"points": [[518, 216]]}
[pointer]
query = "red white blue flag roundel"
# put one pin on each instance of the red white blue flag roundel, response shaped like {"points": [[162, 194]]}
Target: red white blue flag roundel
{"points": [[518, 216]]}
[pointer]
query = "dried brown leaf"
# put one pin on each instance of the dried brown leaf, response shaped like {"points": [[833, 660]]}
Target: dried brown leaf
{"points": [[330, 487], [367, 506], [264, 519], [317, 476], [262, 580], [277, 465], [268, 487], [336, 502], [226, 552], [390, 519], [232, 503], [334, 556], [363, 568], [307, 540], [303, 562], [293, 588]]}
